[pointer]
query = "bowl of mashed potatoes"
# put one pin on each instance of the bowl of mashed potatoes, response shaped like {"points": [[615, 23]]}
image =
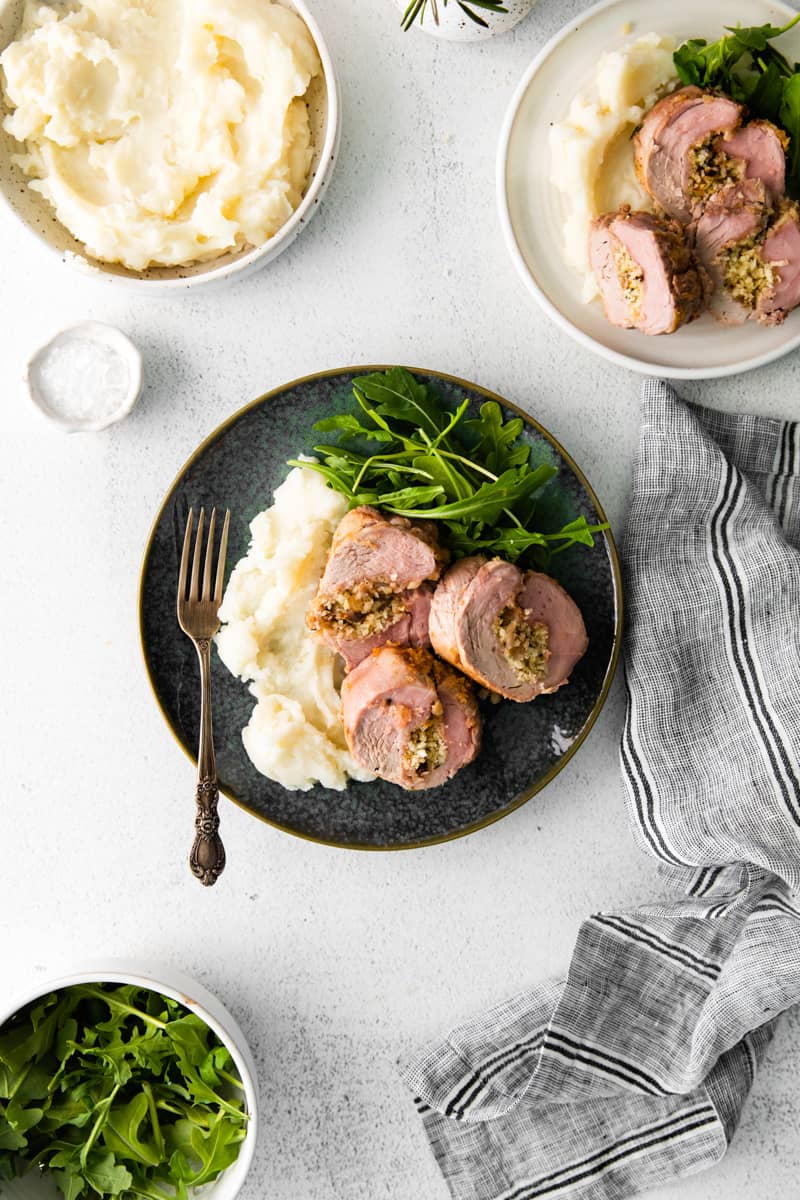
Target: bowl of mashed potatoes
{"points": [[165, 144]]}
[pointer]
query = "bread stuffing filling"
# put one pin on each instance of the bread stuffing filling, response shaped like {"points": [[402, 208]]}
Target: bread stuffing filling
{"points": [[525, 644], [745, 273], [631, 278], [426, 748], [360, 612], [711, 168]]}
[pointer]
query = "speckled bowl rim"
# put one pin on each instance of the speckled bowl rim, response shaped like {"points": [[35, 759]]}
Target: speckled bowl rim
{"points": [[542, 782]]}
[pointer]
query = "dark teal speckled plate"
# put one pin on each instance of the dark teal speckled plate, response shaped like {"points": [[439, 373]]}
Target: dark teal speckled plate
{"points": [[524, 745]]}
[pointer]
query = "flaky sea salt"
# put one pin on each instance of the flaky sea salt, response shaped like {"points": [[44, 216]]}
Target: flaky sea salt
{"points": [[80, 379], [86, 378]]}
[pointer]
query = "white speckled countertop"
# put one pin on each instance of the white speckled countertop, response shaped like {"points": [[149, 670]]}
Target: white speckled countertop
{"points": [[335, 963]]}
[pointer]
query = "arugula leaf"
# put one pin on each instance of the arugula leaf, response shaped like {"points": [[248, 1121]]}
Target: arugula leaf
{"points": [[790, 119], [403, 501], [106, 1176], [453, 484], [755, 37], [70, 1184], [123, 1132], [398, 395], [22, 1119], [7, 1166], [497, 442], [489, 500], [350, 424], [212, 1150], [10, 1139], [766, 95]]}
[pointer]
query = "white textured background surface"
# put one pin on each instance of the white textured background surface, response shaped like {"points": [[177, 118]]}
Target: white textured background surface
{"points": [[335, 963]]}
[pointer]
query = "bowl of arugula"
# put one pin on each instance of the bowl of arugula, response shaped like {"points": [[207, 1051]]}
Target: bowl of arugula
{"points": [[123, 1082]]}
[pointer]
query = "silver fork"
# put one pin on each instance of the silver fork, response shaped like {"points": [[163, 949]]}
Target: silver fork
{"points": [[197, 617]]}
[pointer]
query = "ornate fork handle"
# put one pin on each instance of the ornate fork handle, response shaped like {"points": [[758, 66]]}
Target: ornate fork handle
{"points": [[207, 856]]}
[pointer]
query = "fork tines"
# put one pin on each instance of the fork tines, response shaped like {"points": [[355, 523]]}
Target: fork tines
{"points": [[194, 595]]}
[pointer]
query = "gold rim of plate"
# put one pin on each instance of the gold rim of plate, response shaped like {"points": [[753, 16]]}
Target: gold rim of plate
{"points": [[558, 766]]}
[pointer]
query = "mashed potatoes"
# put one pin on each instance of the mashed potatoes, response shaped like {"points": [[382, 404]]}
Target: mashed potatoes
{"points": [[163, 131], [592, 160], [295, 734]]}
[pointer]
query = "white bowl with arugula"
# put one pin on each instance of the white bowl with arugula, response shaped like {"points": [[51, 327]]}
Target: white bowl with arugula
{"points": [[123, 1081]]}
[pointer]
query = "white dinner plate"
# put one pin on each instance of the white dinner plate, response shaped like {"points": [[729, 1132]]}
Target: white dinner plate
{"points": [[532, 210]]}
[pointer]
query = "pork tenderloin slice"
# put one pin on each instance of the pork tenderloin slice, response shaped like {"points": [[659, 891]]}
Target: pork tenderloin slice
{"points": [[409, 719], [410, 630], [735, 212], [675, 127], [462, 724], [735, 216], [481, 650], [369, 546], [645, 271], [761, 148], [517, 634], [616, 293], [781, 252], [376, 584], [442, 619], [544, 600]]}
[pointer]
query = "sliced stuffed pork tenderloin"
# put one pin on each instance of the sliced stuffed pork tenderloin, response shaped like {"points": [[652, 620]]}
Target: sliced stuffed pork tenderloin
{"points": [[677, 158], [517, 633], [734, 242], [780, 253], [758, 151], [645, 271], [751, 253], [409, 718], [377, 584]]}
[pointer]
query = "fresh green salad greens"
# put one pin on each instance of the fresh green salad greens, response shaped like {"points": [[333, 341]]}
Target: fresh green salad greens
{"points": [[746, 66], [117, 1091], [403, 451], [416, 10]]}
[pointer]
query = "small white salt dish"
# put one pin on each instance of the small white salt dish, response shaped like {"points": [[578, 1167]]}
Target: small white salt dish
{"points": [[87, 377]]}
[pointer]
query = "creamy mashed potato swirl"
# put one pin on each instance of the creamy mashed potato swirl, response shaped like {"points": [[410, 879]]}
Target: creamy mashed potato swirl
{"points": [[295, 733], [592, 158], [163, 131]]}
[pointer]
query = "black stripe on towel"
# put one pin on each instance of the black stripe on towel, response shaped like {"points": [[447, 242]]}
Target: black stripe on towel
{"points": [[642, 792], [494, 1065], [680, 954], [738, 641], [705, 881], [602, 1160], [642, 1079]]}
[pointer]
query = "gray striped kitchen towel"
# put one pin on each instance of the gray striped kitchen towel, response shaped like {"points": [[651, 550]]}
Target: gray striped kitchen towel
{"points": [[634, 1069]]}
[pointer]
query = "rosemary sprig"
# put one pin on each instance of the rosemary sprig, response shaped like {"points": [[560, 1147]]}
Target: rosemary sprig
{"points": [[417, 8]]}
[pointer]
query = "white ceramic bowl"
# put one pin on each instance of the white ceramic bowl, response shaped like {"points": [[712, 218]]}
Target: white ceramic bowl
{"points": [[105, 336], [169, 982], [36, 216], [532, 210], [455, 26]]}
